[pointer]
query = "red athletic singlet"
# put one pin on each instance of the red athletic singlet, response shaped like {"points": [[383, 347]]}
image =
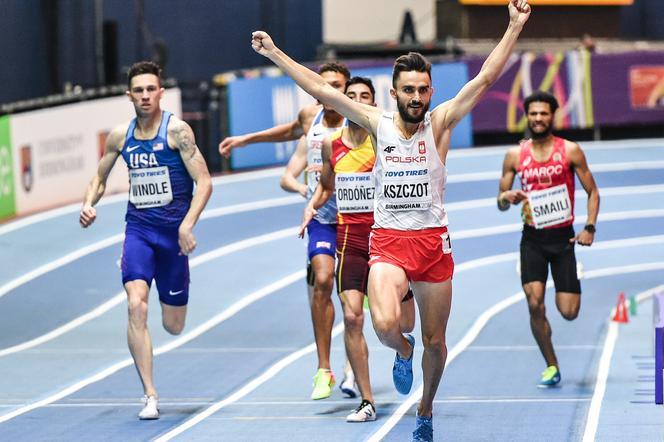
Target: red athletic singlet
{"points": [[550, 187]]}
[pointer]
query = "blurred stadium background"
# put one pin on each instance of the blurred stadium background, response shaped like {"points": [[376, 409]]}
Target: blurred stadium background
{"points": [[64, 63]]}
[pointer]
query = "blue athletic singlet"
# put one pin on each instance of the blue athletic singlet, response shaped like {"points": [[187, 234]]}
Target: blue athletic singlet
{"points": [[327, 214], [160, 187]]}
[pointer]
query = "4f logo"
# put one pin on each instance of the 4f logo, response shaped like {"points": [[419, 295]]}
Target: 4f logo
{"points": [[389, 149]]}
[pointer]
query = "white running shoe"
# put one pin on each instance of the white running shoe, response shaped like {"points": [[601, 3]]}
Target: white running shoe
{"points": [[348, 386], [364, 413], [150, 409]]}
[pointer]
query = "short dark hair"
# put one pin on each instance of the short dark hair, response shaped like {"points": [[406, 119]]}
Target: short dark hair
{"points": [[363, 80], [143, 67], [334, 66], [543, 97], [413, 61]]}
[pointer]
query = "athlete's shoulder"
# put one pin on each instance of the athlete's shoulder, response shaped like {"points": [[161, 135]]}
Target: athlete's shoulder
{"points": [[309, 112], [116, 137], [175, 125], [179, 133]]}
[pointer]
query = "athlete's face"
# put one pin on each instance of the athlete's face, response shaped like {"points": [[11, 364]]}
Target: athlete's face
{"points": [[360, 93], [540, 118], [413, 94], [145, 93], [335, 79]]}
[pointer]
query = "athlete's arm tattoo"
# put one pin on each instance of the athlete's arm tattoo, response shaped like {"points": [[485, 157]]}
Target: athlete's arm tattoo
{"points": [[185, 140]]}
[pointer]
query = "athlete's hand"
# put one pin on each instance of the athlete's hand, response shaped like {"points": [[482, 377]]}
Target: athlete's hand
{"points": [[262, 43], [307, 216], [584, 238], [186, 239], [519, 11], [228, 143], [87, 216], [514, 196]]}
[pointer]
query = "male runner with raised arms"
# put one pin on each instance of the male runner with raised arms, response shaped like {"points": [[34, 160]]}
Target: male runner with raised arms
{"points": [[410, 241], [315, 122], [546, 166], [348, 160], [164, 163]]}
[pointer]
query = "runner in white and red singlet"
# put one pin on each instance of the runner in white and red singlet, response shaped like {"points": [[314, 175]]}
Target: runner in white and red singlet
{"points": [[410, 242], [546, 166]]}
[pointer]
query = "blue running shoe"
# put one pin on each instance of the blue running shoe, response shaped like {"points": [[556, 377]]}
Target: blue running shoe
{"points": [[550, 377], [423, 429], [402, 371]]}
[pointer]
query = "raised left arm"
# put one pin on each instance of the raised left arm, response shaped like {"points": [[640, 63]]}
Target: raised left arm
{"points": [[185, 143], [452, 111], [578, 160]]}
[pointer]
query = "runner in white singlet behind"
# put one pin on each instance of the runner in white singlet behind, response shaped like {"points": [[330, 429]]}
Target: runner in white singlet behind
{"points": [[410, 240]]}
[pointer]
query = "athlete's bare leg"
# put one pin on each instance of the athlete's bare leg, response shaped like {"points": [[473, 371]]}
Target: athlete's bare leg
{"points": [[138, 336], [538, 323], [434, 301], [568, 304], [387, 285], [356, 346], [407, 319], [322, 309], [173, 318]]}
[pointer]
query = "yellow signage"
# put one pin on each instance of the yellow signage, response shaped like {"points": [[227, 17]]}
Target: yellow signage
{"points": [[553, 2]]}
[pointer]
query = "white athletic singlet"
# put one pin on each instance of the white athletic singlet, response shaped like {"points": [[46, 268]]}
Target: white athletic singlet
{"points": [[410, 178], [327, 214]]}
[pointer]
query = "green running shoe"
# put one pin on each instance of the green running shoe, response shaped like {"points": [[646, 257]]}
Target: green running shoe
{"points": [[550, 377], [323, 383]]}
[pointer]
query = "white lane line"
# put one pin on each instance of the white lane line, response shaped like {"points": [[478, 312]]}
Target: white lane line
{"points": [[120, 297], [99, 245], [480, 323], [254, 205], [592, 420], [579, 195], [652, 143], [248, 388], [196, 332], [453, 178], [120, 197], [64, 260], [132, 403], [596, 168], [462, 234], [470, 336], [517, 227], [472, 264]]}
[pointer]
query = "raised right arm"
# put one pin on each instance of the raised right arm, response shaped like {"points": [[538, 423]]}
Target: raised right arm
{"points": [[312, 83], [97, 185]]}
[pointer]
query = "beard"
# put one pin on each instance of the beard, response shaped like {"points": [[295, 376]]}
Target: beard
{"points": [[405, 116], [540, 135]]}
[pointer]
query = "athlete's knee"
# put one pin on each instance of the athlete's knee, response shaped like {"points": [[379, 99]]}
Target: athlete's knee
{"points": [[434, 342], [138, 310], [569, 312], [536, 307], [173, 327], [353, 322], [385, 328], [324, 281]]}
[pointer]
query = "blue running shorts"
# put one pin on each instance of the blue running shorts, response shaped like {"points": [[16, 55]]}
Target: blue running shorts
{"points": [[151, 252], [322, 239]]}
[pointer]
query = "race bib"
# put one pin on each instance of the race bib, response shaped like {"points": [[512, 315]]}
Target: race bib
{"points": [[407, 189], [550, 206], [150, 187], [355, 192]]}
